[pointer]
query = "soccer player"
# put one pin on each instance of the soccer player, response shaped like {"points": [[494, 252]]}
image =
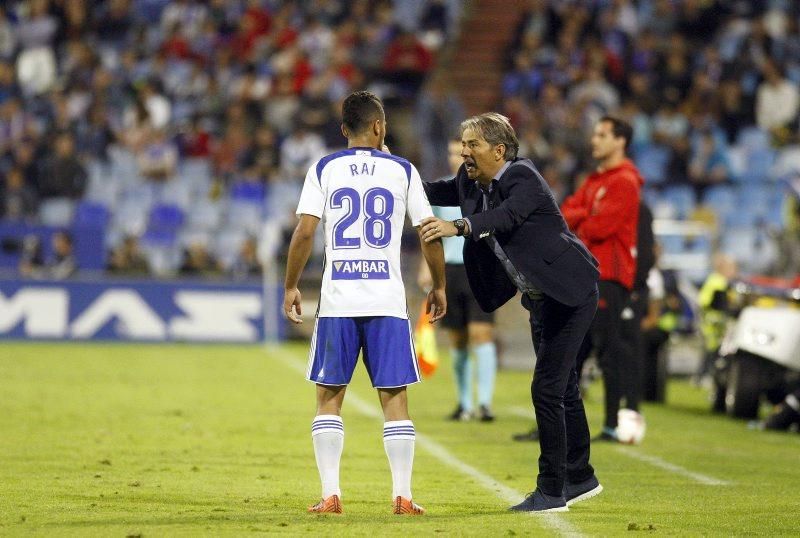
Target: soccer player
{"points": [[361, 195]]}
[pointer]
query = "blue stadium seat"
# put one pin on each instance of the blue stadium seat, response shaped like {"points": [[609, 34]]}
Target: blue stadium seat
{"points": [[682, 197], [742, 217], [166, 217], [722, 199], [140, 193], [129, 219], [124, 168], [176, 193], [651, 196], [227, 245], [196, 174], [787, 162], [248, 191], [664, 209], [92, 214], [103, 189], [752, 139], [160, 237], [652, 161], [56, 211], [192, 237], [751, 247], [245, 216], [758, 165], [205, 215], [737, 159]]}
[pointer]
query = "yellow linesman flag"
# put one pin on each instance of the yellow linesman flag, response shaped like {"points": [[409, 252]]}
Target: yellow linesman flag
{"points": [[425, 343]]}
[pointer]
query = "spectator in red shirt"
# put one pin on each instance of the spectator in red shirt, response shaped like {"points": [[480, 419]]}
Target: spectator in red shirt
{"points": [[407, 61], [604, 213]]}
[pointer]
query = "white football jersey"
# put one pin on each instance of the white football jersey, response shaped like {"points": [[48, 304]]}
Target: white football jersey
{"points": [[362, 196]]}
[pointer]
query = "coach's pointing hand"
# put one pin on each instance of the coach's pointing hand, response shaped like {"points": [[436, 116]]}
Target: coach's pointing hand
{"points": [[433, 228], [292, 298]]}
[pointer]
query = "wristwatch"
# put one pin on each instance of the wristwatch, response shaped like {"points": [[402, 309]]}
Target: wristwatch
{"points": [[460, 225]]}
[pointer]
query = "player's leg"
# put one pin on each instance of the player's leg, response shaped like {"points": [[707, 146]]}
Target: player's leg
{"points": [[332, 359], [456, 324], [481, 339], [399, 437], [327, 434], [392, 365], [462, 370]]}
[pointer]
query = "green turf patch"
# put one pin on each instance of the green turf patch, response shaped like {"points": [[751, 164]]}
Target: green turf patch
{"points": [[118, 440]]}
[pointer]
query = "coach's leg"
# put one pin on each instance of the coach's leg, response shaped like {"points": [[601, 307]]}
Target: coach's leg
{"points": [[398, 439], [560, 335], [578, 439], [327, 434]]}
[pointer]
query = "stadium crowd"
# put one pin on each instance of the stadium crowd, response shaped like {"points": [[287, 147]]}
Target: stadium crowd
{"points": [[711, 89], [125, 114], [179, 125]]}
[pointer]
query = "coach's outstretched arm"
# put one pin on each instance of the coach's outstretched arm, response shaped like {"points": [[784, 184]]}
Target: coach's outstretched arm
{"points": [[299, 251], [434, 257]]}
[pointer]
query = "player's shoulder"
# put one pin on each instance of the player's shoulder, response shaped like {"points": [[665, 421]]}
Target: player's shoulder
{"points": [[320, 165], [405, 163]]}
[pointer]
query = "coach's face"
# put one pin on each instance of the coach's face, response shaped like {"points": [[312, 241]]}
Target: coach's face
{"points": [[481, 159]]}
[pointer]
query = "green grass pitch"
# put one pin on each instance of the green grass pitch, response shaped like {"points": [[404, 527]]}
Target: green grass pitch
{"points": [[149, 440]]}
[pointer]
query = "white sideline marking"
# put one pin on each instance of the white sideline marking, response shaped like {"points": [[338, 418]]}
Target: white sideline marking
{"points": [[655, 461], [554, 522], [672, 468]]}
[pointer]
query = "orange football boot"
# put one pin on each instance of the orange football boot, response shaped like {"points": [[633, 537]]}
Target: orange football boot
{"points": [[331, 505], [403, 506]]}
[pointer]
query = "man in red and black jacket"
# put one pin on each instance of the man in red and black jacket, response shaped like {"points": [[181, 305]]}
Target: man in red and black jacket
{"points": [[604, 214]]}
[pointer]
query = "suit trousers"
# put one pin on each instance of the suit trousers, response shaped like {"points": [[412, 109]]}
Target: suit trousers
{"points": [[558, 331]]}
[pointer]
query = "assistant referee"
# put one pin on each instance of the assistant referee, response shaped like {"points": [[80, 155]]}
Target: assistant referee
{"points": [[469, 328]]}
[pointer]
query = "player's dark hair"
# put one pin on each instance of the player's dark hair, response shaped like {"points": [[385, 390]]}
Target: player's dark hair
{"points": [[359, 110], [620, 128]]}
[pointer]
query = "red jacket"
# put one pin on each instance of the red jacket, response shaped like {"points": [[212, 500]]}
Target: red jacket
{"points": [[604, 214]]}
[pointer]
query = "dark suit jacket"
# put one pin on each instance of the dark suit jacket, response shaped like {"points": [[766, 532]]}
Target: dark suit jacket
{"points": [[525, 219]]}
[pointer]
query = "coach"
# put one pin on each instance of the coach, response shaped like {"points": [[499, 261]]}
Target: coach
{"points": [[518, 240]]}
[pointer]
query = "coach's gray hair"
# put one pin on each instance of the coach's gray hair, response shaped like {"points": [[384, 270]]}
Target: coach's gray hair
{"points": [[495, 129]]}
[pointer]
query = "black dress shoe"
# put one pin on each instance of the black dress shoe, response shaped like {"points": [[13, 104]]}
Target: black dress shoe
{"points": [[539, 502], [532, 435], [575, 493]]}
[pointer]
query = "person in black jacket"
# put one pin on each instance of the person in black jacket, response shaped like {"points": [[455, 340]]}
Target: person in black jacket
{"points": [[636, 309], [517, 240]]}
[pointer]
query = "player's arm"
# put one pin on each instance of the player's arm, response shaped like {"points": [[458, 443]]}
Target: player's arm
{"points": [[299, 252], [433, 252]]}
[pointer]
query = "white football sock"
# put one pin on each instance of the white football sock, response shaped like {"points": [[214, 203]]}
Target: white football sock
{"points": [[327, 433], [398, 440]]}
